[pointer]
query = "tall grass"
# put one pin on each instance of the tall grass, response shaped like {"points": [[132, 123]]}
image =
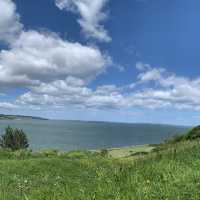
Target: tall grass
{"points": [[170, 174]]}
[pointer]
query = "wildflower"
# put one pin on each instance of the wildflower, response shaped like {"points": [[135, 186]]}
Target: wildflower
{"points": [[58, 177], [148, 181]]}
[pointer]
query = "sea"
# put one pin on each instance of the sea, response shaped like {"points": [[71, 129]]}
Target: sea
{"points": [[79, 135]]}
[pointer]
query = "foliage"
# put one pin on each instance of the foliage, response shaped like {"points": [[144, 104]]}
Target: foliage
{"points": [[104, 152], [14, 139], [175, 139], [193, 134], [49, 153]]}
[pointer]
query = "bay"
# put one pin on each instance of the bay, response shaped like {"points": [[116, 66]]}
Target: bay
{"points": [[73, 135]]}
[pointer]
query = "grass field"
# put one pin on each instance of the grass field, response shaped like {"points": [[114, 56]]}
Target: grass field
{"points": [[127, 152], [173, 173]]}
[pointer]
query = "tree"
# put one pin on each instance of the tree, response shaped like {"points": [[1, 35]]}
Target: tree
{"points": [[14, 139]]}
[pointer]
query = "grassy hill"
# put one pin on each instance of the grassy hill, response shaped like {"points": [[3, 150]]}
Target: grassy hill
{"points": [[171, 172]]}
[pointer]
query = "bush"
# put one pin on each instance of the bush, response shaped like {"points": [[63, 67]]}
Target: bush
{"points": [[14, 139], [104, 152], [193, 134], [175, 139], [49, 153]]}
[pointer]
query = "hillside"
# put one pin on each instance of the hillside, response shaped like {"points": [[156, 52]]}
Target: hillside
{"points": [[19, 117], [170, 172]]}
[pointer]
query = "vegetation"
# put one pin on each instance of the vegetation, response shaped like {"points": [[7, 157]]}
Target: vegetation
{"points": [[127, 152], [193, 134], [19, 117], [171, 172], [14, 139]]}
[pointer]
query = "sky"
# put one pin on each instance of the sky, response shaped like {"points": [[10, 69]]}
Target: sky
{"points": [[133, 61]]}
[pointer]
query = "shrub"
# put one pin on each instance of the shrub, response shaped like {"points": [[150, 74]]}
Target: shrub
{"points": [[104, 152], [175, 139], [77, 154], [14, 139], [193, 134], [22, 154], [142, 153], [49, 153]]}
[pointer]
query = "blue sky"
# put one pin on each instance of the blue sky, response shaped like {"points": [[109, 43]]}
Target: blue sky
{"points": [[127, 61]]}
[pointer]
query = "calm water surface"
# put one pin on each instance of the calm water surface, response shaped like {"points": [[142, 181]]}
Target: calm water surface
{"points": [[71, 135]]}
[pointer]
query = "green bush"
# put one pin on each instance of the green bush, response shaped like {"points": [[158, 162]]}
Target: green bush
{"points": [[49, 153], [14, 139], [193, 134], [104, 152], [175, 139], [22, 154]]}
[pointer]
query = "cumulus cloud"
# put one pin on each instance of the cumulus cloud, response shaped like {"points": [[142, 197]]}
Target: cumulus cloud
{"points": [[57, 72], [166, 90], [8, 105], [72, 91], [44, 60], [142, 66], [91, 16], [10, 25], [151, 75], [42, 57], [170, 90]]}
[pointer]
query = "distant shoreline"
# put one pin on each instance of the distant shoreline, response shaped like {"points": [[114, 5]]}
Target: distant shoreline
{"points": [[19, 117], [125, 123]]}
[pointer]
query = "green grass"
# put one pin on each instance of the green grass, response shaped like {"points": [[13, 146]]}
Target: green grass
{"points": [[127, 152], [172, 174]]}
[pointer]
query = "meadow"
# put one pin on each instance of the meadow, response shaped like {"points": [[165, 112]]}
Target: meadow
{"points": [[171, 172]]}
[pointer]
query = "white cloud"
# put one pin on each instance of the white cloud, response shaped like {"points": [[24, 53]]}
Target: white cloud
{"points": [[72, 91], [170, 89], [167, 91], [57, 72], [151, 75], [42, 57], [92, 15], [10, 25], [8, 106], [142, 66]]}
